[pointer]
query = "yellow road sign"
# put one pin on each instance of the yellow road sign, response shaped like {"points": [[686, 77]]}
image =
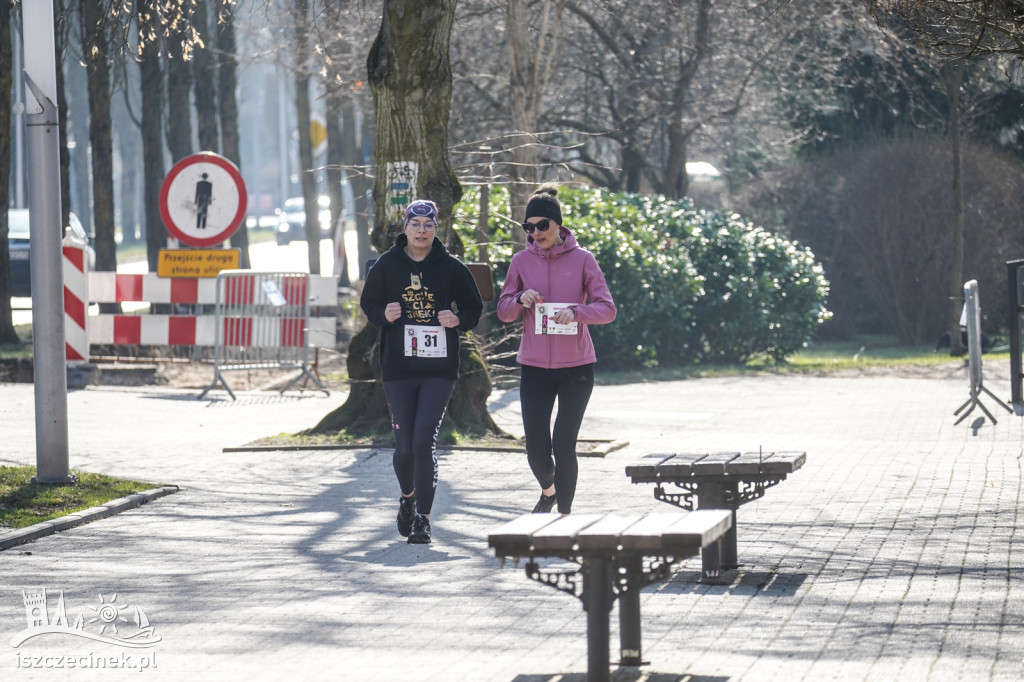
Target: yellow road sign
{"points": [[196, 262]]}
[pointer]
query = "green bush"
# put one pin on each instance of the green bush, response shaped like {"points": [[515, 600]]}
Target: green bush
{"points": [[691, 286]]}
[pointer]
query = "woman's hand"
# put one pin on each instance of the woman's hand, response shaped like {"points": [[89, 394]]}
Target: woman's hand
{"points": [[448, 319], [564, 316], [529, 297], [392, 311]]}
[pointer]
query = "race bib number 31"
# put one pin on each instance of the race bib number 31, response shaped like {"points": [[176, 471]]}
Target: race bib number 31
{"points": [[425, 342]]}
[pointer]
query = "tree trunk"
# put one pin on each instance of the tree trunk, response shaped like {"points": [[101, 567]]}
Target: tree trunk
{"points": [[227, 101], [151, 85], [411, 81], [60, 44], [676, 181], [952, 77], [179, 89], [94, 36], [356, 156], [7, 333], [335, 157], [204, 72], [304, 116], [523, 108]]}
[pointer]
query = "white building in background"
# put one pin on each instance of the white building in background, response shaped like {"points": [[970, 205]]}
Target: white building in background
{"points": [[708, 187]]}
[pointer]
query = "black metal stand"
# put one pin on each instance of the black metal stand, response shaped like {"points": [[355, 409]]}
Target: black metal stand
{"points": [[719, 492], [597, 583]]}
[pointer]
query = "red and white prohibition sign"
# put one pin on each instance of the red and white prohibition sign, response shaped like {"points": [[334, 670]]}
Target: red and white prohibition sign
{"points": [[203, 199]]}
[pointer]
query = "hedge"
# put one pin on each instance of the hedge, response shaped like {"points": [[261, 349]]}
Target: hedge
{"points": [[691, 286]]}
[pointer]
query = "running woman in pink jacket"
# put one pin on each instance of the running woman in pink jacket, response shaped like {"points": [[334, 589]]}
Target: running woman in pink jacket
{"points": [[559, 290]]}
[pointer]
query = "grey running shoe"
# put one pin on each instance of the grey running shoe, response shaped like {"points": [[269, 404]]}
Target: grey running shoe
{"points": [[420, 534], [406, 515], [545, 504]]}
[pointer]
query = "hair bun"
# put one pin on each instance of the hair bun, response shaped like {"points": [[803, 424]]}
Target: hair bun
{"points": [[549, 188]]}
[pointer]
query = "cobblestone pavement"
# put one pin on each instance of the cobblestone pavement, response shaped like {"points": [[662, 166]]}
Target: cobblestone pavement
{"points": [[895, 553]]}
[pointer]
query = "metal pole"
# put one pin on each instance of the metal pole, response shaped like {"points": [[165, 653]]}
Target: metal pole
{"points": [[1013, 287], [46, 233], [630, 652]]}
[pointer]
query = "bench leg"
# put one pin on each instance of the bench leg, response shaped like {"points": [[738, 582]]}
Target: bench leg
{"points": [[715, 495], [629, 616], [730, 554], [711, 563], [597, 589]]}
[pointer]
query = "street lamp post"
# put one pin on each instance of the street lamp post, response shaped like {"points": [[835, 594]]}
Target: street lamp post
{"points": [[46, 234]]}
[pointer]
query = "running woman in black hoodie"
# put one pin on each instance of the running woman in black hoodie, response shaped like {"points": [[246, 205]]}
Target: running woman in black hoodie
{"points": [[420, 296]]}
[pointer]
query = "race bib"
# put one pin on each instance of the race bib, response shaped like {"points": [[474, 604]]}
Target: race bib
{"points": [[425, 342], [543, 324]]}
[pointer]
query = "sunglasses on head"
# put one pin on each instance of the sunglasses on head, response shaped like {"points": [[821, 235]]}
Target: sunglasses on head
{"points": [[541, 225]]}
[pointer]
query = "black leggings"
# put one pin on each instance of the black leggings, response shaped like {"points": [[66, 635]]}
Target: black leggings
{"points": [[552, 452], [417, 408]]}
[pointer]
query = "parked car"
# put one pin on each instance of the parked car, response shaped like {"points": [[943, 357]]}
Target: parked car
{"points": [[292, 219], [18, 245]]}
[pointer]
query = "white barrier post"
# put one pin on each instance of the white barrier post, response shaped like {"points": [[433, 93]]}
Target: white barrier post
{"points": [[76, 302]]}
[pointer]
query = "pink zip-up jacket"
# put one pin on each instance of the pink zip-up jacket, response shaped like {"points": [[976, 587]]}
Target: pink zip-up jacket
{"points": [[562, 274]]}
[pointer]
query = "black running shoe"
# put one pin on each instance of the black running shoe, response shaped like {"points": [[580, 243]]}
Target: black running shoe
{"points": [[406, 515], [420, 534], [545, 504]]}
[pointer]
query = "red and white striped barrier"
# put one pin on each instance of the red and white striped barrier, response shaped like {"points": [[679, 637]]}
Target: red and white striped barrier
{"points": [[76, 302], [111, 287], [200, 330]]}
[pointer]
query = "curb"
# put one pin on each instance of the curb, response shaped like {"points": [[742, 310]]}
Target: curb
{"points": [[22, 536], [601, 448]]}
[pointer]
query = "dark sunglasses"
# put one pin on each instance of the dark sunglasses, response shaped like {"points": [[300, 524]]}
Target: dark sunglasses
{"points": [[541, 225]]}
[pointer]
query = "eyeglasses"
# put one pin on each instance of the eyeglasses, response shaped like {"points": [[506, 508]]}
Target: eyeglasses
{"points": [[424, 226], [541, 225]]}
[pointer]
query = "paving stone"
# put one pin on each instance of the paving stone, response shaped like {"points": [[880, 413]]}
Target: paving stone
{"points": [[894, 553]]}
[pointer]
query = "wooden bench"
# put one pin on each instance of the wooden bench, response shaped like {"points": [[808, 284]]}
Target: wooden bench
{"points": [[718, 480], [618, 555]]}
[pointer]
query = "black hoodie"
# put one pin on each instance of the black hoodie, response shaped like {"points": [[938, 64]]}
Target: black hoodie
{"points": [[424, 288]]}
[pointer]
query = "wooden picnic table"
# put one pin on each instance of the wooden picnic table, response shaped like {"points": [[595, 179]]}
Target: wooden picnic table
{"points": [[617, 555]]}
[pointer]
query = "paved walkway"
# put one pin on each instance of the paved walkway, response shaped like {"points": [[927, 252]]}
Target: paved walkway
{"points": [[894, 554]]}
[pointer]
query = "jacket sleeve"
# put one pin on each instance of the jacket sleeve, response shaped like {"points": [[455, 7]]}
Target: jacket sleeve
{"points": [[467, 296], [374, 297], [509, 308], [600, 308]]}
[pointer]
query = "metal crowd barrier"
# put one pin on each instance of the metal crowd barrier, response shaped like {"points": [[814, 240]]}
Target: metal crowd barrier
{"points": [[264, 320], [972, 321]]}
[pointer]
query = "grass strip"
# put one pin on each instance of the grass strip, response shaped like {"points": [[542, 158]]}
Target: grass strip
{"points": [[24, 503]]}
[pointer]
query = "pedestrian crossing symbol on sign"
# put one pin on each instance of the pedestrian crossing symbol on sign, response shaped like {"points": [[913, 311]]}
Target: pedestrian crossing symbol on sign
{"points": [[203, 199]]}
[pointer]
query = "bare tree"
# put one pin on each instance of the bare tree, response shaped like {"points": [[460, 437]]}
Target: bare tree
{"points": [[7, 333], [410, 75], [227, 103], [204, 75], [958, 28], [531, 63], [96, 48]]}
